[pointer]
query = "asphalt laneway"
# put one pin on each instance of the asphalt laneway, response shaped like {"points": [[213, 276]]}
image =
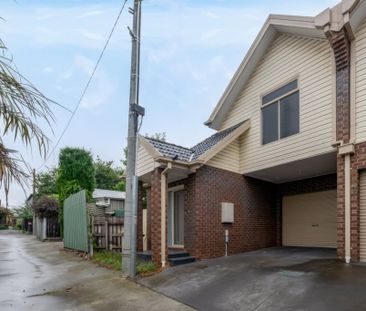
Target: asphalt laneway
{"points": [[42, 276]]}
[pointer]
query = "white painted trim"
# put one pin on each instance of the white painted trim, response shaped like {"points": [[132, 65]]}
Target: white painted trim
{"points": [[279, 85], [347, 207], [353, 93], [171, 207], [176, 188], [334, 99]]}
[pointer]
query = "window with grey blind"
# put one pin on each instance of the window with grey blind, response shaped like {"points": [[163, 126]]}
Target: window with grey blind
{"points": [[280, 113]]}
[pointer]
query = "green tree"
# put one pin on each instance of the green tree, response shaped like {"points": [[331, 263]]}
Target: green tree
{"points": [[46, 183], [22, 109], [75, 172], [106, 176]]}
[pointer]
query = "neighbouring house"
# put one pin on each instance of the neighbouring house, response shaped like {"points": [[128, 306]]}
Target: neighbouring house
{"points": [[46, 218], [107, 202], [287, 165]]}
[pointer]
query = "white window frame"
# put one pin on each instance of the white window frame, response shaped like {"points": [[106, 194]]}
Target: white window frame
{"points": [[277, 100], [171, 206]]}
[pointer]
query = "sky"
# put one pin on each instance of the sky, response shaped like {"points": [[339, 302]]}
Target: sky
{"points": [[190, 50]]}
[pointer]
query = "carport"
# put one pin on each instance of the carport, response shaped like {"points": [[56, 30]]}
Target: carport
{"points": [[306, 201]]}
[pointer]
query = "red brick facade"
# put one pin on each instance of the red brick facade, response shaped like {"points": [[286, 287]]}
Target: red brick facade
{"points": [[257, 210]]}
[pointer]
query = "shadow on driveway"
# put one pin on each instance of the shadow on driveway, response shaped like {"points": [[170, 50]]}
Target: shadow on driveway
{"points": [[269, 279]]}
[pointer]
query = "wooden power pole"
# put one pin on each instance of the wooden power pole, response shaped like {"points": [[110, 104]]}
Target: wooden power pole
{"points": [[130, 217]]}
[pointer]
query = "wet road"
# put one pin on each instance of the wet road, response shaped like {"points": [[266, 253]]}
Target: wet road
{"points": [[42, 276]]}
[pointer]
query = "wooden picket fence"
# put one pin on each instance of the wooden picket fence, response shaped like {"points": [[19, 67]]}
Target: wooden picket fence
{"points": [[107, 233]]}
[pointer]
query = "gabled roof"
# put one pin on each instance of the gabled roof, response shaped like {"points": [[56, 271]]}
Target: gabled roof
{"points": [[211, 141], [296, 25], [348, 13], [202, 151], [109, 194]]}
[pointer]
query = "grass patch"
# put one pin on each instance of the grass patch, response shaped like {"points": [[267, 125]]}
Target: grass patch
{"points": [[113, 261]]}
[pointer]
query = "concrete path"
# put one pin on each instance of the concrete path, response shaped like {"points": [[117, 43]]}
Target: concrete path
{"points": [[274, 279], [41, 276]]}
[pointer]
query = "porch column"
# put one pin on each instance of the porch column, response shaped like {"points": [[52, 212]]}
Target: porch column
{"points": [[140, 205], [341, 45], [148, 206], [156, 220]]}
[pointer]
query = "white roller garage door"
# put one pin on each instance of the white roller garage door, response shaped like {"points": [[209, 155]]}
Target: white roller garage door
{"points": [[310, 219], [363, 216]]}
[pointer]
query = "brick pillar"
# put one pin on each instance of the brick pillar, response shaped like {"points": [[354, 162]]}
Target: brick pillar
{"points": [[340, 44], [148, 206], [140, 205], [341, 48], [155, 204]]}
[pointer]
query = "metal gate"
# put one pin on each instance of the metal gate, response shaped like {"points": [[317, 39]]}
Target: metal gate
{"points": [[76, 222]]}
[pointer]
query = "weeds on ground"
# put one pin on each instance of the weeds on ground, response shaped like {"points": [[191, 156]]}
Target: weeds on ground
{"points": [[113, 261]]}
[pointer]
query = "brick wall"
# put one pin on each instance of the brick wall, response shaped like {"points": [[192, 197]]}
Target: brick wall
{"points": [[254, 224]]}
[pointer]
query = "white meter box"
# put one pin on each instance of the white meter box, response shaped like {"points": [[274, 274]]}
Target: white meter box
{"points": [[227, 212]]}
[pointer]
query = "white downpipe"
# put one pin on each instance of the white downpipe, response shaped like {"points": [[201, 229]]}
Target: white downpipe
{"points": [[347, 207], [163, 213]]}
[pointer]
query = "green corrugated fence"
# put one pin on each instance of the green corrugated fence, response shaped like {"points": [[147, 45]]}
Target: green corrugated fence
{"points": [[76, 222]]}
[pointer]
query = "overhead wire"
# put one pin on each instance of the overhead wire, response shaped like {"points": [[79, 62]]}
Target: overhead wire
{"points": [[86, 86]]}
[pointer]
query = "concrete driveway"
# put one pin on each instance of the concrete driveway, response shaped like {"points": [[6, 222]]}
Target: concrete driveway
{"points": [[270, 279], [41, 276]]}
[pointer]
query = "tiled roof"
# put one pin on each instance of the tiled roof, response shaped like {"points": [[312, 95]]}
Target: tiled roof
{"points": [[188, 154], [171, 150], [213, 140]]}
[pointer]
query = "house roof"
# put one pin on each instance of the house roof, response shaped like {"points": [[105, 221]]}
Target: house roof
{"points": [[296, 25], [348, 13], [109, 194], [170, 150], [211, 141], [176, 152]]}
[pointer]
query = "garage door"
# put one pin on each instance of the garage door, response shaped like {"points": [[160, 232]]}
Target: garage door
{"points": [[310, 219], [363, 216]]}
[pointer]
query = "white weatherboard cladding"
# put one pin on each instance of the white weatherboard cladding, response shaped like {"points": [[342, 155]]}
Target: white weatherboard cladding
{"points": [[289, 57], [310, 219], [228, 158], [145, 162], [360, 83], [363, 216]]}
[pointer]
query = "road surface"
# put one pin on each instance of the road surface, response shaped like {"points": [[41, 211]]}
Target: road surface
{"points": [[42, 276]]}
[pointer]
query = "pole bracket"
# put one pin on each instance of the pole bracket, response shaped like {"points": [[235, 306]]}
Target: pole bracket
{"points": [[138, 109]]}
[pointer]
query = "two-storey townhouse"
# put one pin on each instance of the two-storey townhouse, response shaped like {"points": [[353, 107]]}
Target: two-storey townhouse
{"points": [[287, 165]]}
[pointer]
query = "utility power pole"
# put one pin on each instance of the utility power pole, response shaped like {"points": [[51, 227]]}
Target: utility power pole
{"points": [[130, 217]]}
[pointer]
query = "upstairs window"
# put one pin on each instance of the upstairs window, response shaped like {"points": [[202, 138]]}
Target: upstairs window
{"points": [[280, 113]]}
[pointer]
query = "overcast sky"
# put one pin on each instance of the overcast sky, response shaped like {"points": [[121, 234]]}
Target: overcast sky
{"points": [[190, 50]]}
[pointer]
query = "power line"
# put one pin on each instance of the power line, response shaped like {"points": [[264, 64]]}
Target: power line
{"points": [[86, 86]]}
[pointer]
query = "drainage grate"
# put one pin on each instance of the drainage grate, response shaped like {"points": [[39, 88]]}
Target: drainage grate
{"points": [[294, 274]]}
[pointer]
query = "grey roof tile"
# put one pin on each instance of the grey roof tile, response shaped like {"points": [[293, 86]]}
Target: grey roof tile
{"points": [[181, 153]]}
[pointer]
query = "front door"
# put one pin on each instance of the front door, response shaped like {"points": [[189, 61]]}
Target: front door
{"points": [[176, 218]]}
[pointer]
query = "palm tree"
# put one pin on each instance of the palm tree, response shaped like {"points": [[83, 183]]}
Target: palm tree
{"points": [[22, 108]]}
